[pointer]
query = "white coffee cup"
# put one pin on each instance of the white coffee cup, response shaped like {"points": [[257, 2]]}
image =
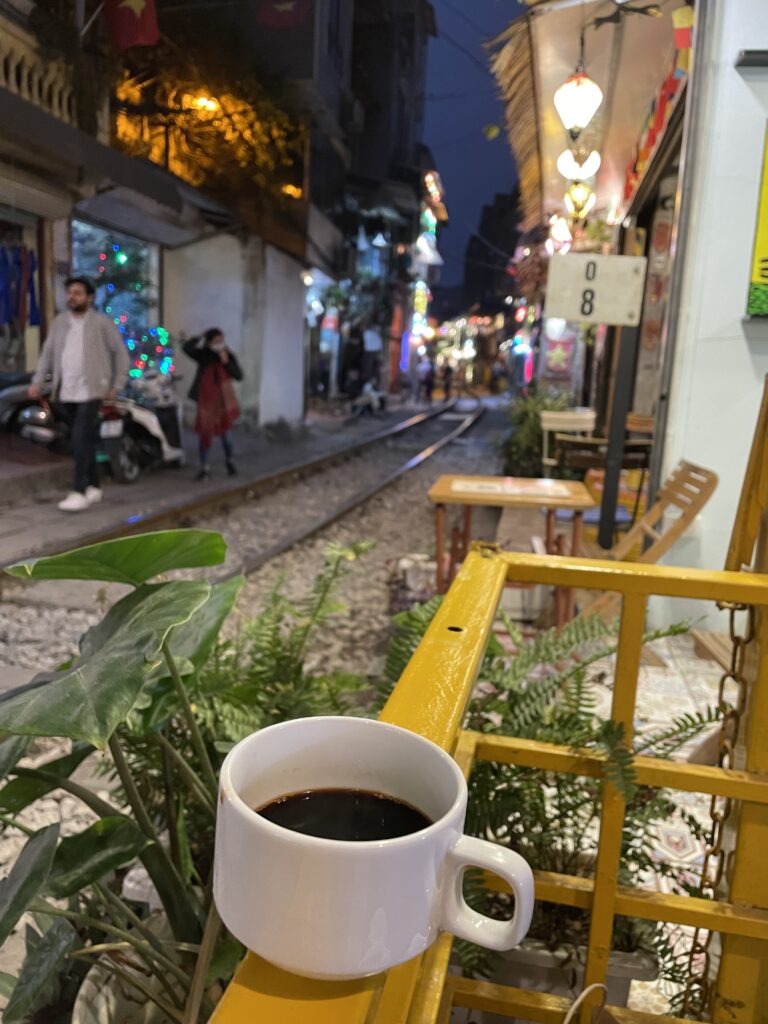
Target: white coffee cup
{"points": [[328, 908]]}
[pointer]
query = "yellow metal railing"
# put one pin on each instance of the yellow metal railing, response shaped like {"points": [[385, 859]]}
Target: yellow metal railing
{"points": [[430, 699]]}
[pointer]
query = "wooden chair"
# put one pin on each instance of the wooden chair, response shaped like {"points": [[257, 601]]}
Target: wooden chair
{"points": [[571, 421], [580, 454], [681, 498]]}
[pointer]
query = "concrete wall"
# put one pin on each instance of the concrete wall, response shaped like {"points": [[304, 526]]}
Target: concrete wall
{"points": [[255, 294], [721, 358], [281, 387], [206, 284]]}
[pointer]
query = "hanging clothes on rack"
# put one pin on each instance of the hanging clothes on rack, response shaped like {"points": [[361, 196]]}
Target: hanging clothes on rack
{"points": [[23, 297]]}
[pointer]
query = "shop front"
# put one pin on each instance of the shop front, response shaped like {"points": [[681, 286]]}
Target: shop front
{"points": [[21, 233]]}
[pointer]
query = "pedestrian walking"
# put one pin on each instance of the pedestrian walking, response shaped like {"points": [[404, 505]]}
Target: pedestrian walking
{"points": [[426, 378], [212, 389], [88, 362], [447, 380]]}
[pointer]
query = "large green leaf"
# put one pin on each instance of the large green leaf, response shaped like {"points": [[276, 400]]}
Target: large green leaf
{"points": [[226, 957], [194, 640], [21, 792], [80, 860], [191, 645], [12, 748], [7, 982], [26, 877], [38, 982], [89, 700], [132, 560]]}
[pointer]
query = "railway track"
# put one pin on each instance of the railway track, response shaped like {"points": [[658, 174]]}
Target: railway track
{"points": [[429, 431]]}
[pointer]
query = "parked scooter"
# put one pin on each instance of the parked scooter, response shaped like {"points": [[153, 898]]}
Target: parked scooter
{"points": [[14, 396], [135, 434]]}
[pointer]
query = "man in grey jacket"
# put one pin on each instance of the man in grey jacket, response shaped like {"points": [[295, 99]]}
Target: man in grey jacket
{"points": [[85, 356]]}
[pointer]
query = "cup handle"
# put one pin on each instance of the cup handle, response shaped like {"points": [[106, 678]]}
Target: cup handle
{"points": [[464, 922]]}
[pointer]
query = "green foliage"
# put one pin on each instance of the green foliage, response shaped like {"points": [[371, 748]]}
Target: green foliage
{"points": [[104, 683], [38, 983], [26, 878], [523, 446], [130, 560], [155, 682], [85, 858], [547, 690]]}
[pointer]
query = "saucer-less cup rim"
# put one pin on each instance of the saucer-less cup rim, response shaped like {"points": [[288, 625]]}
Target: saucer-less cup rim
{"points": [[437, 855], [240, 750]]}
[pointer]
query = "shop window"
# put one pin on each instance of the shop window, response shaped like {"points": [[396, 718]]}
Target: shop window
{"points": [[125, 271]]}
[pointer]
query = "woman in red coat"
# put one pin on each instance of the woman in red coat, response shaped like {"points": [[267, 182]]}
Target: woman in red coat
{"points": [[217, 408]]}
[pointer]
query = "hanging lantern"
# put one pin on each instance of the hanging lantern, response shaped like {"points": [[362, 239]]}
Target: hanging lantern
{"points": [[570, 168], [577, 101], [579, 200], [559, 231]]}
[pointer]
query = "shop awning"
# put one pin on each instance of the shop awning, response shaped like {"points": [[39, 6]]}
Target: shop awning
{"points": [[126, 193]]}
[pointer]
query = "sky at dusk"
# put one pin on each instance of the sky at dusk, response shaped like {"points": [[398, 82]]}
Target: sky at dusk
{"points": [[461, 99]]}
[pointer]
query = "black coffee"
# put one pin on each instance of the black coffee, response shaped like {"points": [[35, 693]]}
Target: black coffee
{"points": [[354, 815]]}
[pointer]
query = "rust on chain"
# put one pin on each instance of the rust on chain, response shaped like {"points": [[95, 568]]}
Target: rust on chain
{"points": [[698, 990]]}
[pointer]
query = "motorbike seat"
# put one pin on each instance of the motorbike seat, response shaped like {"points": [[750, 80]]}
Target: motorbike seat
{"points": [[12, 380]]}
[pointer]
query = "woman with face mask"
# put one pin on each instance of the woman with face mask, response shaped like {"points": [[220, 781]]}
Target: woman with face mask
{"points": [[212, 389]]}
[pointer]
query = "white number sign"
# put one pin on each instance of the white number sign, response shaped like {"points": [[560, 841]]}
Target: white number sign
{"points": [[596, 289]]}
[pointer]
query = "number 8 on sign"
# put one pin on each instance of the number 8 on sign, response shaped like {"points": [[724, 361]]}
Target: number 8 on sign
{"points": [[595, 289]]}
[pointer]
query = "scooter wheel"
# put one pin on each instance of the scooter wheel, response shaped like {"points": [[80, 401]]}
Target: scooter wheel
{"points": [[125, 461]]}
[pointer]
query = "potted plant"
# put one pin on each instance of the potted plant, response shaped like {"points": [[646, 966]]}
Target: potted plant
{"points": [[155, 698], [550, 690], [522, 446]]}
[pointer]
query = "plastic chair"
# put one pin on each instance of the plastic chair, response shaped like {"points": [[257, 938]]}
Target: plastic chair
{"points": [[571, 421]]}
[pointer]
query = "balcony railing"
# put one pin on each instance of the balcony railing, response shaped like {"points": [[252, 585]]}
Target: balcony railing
{"points": [[431, 698], [26, 74]]}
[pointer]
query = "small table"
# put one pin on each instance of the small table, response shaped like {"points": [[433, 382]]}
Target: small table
{"points": [[507, 492]]}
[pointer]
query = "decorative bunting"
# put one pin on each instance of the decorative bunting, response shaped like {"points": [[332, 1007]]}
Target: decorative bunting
{"points": [[661, 106]]}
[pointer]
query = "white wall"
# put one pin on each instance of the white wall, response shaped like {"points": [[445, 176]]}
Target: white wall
{"points": [[203, 286], [721, 358], [281, 387], [255, 294]]}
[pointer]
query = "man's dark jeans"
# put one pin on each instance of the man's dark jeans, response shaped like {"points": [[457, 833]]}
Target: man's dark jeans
{"points": [[83, 420]]}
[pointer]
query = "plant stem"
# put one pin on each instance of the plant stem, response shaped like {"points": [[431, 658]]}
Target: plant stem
{"points": [[174, 895], [194, 732], [197, 989], [133, 979], [6, 819], [96, 804], [170, 810], [196, 784], [120, 908], [132, 794], [144, 949]]}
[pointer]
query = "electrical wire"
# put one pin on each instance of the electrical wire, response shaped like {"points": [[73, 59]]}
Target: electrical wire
{"points": [[459, 13], [467, 53]]}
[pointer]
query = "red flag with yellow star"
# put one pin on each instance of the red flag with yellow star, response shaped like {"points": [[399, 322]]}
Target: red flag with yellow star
{"points": [[132, 23]]}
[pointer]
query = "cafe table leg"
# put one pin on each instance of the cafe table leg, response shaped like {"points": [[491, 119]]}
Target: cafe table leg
{"points": [[440, 547], [550, 537], [467, 530], [576, 534]]}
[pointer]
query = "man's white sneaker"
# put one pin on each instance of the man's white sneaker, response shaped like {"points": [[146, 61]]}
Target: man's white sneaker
{"points": [[92, 495], [74, 502]]}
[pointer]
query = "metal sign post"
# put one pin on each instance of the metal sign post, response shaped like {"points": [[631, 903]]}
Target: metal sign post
{"points": [[593, 289]]}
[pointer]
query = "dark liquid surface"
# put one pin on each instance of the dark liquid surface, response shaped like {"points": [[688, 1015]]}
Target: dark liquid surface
{"points": [[353, 815]]}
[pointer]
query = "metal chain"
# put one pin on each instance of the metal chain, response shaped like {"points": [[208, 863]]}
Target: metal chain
{"points": [[732, 699]]}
